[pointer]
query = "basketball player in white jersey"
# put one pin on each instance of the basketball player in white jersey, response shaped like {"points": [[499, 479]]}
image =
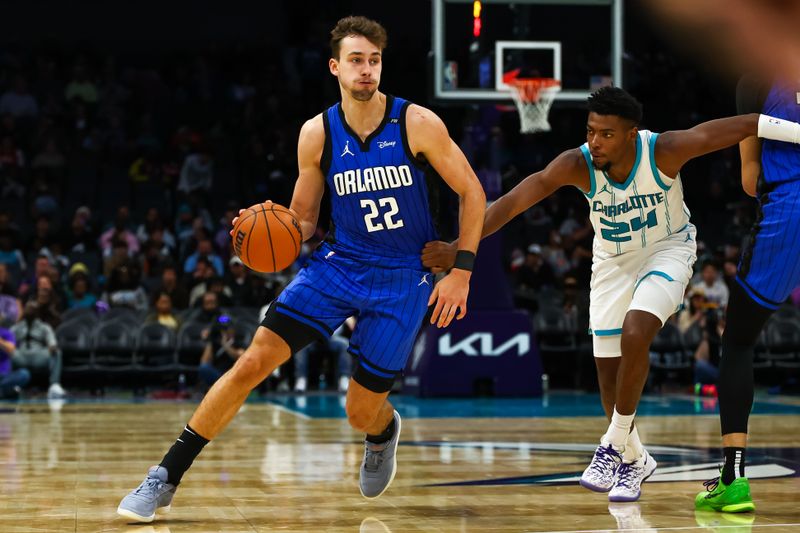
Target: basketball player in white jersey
{"points": [[644, 249]]}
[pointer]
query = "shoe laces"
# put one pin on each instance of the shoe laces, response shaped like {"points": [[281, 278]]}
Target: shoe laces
{"points": [[711, 485], [149, 485], [625, 474], [374, 456], [605, 457]]}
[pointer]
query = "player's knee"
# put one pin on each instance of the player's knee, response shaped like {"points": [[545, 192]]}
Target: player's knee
{"points": [[266, 352], [360, 417]]}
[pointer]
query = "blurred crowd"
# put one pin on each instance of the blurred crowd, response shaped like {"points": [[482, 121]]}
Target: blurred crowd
{"points": [[119, 177]]}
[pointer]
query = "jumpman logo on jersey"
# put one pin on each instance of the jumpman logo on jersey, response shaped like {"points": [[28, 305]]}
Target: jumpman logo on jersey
{"points": [[604, 189], [688, 237], [347, 149], [423, 281]]}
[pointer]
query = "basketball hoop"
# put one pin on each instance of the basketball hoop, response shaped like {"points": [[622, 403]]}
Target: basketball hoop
{"points": [[533, 97]]}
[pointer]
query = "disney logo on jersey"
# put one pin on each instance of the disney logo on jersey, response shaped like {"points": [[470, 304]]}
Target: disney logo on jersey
{"points": [[384, 144], [638, 201], [347, 149], [372, 179]]}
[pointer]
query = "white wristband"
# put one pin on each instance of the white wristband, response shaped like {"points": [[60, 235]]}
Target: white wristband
{"points": [[778, 129]]}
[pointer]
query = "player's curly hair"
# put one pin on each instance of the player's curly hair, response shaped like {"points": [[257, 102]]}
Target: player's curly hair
{"points": [[357, 25], [615, 101]]}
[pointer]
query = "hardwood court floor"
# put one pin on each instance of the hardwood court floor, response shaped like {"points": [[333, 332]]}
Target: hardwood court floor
{"points": [[276, 469]]}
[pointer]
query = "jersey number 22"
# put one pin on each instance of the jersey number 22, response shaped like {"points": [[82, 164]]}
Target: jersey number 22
{"points": [[388, 220]]}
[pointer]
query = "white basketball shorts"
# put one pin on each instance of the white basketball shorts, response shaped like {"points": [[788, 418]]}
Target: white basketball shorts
{"points": [[652, 279]]}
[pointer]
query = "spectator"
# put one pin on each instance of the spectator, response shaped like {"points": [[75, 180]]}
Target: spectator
{"points": [[11, 382], [204, 250], [78, 294], [694, 313], [222, 238], [197, 174], [118, 256], [555, 255], [37, 348], [238, 283], [41, 268], [209, 309], [535, 272], [11, 257], [10, 305], [153, 260], [81, 238], [218, 287], [18, 102], [202, 274], [221, 351], [120, 231], [81, 87], [175, 290], [124, 289], [162, 312], [48, 301], [336, 345], [154, 224], [712, 286]]}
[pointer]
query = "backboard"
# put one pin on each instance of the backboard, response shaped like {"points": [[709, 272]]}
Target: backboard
{"points": [[578, 42]]}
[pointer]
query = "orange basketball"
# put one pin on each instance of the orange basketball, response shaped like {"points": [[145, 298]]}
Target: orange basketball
{"points": [[267, 237]]}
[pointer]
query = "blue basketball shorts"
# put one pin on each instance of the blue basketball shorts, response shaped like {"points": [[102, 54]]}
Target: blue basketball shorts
{"points": [[388, 303], [770, 266]]}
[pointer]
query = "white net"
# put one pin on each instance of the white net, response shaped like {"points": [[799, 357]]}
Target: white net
{"points": [[533, 98]]}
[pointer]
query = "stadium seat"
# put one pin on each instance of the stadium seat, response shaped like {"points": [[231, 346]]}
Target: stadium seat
{"points": [[190, 345], [75, 343], [113, 346], [155, 347]]}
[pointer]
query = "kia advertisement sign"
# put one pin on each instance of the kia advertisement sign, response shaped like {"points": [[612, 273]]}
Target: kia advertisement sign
{"points": [[490, 352]]}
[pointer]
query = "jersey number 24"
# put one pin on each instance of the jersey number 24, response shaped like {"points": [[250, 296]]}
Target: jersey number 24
{"points": [[374, 212], [618, 231]]}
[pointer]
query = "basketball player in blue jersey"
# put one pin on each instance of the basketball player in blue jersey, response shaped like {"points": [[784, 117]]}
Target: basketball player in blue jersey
{"points": [[768, 271], [644, 249], [371, 150]]}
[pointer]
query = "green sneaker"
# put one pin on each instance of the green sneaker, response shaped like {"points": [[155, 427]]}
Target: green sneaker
{"points": [[733, 498]]}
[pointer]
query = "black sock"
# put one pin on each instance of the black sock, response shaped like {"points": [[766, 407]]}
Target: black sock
{"points": [[387, 434], [734, 460], [180, 457]]}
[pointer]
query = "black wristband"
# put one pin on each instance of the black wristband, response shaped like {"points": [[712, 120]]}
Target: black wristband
{"points": [[465, 260]]}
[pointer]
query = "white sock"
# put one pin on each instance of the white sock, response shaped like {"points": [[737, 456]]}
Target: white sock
{"points": [[619, 429], [633, 448]]}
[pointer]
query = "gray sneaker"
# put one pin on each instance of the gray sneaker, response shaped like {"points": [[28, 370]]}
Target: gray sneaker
{"points": [[380, 464], [154, 493]]}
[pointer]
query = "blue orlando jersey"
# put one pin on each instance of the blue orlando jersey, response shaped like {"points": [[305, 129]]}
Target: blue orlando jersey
{"points": [[780, 161], [380, 205]]}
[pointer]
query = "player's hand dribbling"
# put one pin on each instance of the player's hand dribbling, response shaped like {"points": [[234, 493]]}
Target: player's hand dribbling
{"points": [[450, 295], [439, 256], [236, 218]]}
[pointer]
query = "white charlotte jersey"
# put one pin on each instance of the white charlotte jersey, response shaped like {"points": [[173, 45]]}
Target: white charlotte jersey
{"points": [[647, 208]]}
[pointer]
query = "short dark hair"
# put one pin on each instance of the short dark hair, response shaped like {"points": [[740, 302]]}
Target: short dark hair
{"points": [[615, 101], [357, 25]]}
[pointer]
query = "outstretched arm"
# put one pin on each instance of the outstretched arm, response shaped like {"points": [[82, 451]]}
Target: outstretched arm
{"points": [[675, 148], [427, 135], [569, 168]]}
